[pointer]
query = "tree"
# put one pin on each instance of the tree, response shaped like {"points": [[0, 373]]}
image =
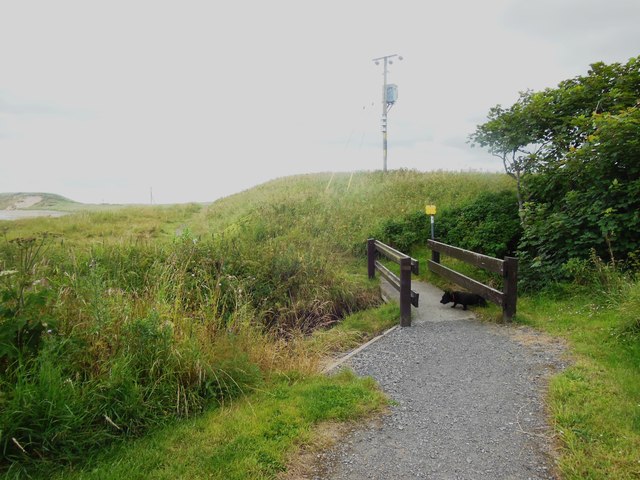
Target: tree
{"points": [[574, 151], [541, 128], [511, 135]]}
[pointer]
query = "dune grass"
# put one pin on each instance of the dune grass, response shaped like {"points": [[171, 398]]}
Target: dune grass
{"points": [[133, 328], [255, 435]]}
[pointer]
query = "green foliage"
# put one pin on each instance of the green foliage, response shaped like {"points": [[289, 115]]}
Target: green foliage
{"points": [[405, 232], [589, 202], [148, 314], [24, 316], [594, 401], [541, 127], [579, 151], [251, 439], [489, 225]]}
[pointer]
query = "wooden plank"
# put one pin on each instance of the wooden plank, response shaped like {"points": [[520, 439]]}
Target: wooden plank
{"points": [[415, 297], [393, 279], [390, 253], [405, 292], [388, 275], [397, 255], [371, 257], [510, 288], [477, 259], [470, 284], [415, 266]]}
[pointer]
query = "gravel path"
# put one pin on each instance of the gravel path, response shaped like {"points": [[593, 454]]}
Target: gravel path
{"points": [[468, 401]]}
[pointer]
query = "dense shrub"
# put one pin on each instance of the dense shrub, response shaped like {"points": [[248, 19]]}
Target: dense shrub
{"points": [[135, 316], [589, 202], [489, 224], [575, 155], [404, 233]]}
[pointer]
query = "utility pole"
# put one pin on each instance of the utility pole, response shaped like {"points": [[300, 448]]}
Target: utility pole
{"points": [[388, 99]]}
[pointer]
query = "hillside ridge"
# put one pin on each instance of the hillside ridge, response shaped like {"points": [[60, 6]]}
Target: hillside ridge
{"points": [[33, 201]]}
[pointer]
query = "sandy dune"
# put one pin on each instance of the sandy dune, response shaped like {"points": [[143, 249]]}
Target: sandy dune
{"points": [[25, 202]]}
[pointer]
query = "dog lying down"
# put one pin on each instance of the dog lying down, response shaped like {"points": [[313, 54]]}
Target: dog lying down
{"points": [[462, 298]]}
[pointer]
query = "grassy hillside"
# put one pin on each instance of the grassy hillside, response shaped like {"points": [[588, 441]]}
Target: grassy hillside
{"points": [[118, 321], [121, 322], [37, 201]]}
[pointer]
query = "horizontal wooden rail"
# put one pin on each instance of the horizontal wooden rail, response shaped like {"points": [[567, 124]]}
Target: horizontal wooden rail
{"points": [[403, 283], [393, 279], [470, 284], [508, 268], [395, 255], [388, 275], [476, 259]]}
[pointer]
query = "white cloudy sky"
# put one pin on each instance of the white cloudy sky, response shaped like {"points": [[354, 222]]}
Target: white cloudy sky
{"points": [[102, 100]]}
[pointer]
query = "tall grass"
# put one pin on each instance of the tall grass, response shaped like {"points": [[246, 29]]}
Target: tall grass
{"points": [[135, 316]]}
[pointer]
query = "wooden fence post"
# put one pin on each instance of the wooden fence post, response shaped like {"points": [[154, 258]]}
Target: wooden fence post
{"points": [[405, 292], [510, 277], [435, 256], [371, 257]]}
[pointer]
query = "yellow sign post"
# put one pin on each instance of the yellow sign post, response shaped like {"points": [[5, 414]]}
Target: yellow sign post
{"points": [[431, 210]]}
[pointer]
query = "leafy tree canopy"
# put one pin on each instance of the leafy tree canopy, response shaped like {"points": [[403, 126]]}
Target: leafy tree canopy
{"points": [[542, 127], [575, 151]]}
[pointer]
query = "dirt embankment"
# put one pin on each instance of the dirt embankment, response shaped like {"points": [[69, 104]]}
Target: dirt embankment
{"points": [[25, 202]]}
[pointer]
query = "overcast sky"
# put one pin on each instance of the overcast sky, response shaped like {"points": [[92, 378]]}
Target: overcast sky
{"points": [[101, 101]]}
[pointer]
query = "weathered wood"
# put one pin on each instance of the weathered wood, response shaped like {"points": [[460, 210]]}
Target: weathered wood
{"points": [[371, 257], [415, 298], [405, 292], [395, 255], [415, 266], [477, 259], [470, 284], [388, 275], [393, 279], [403, 283], [510, 288], [389, 252], [435, 256]]}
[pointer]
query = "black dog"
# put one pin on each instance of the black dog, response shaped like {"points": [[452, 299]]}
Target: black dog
{"points": [[462, 298]]}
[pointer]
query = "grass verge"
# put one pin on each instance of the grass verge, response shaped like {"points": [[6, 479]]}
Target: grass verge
{"points": [[258, 435], [254, 438], [595, 403]]}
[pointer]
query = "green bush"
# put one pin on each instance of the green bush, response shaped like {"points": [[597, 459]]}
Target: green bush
{"points": [[489, 224], [406, 232]]}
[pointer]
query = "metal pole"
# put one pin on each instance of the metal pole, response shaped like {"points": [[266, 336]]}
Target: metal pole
{"points": [[385, 106], [384, 118]]}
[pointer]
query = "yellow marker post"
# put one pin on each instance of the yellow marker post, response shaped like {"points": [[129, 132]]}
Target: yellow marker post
{"points": [[431, 210]]}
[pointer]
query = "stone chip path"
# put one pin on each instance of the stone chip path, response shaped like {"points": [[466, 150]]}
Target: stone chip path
{"points": [[468, 401]]}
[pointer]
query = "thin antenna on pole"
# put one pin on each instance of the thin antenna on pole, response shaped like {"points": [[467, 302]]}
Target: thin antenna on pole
{"points": [[389, 97]]}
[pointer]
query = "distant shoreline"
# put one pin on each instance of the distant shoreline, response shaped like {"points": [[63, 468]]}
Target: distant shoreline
{"points": [[19, 214]]}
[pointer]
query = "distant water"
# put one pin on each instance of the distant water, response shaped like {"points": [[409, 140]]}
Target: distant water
{"points": [[18, 214]]}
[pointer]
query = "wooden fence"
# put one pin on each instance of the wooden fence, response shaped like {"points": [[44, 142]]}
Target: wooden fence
{"points": [[403, 283], [508, 268]]}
